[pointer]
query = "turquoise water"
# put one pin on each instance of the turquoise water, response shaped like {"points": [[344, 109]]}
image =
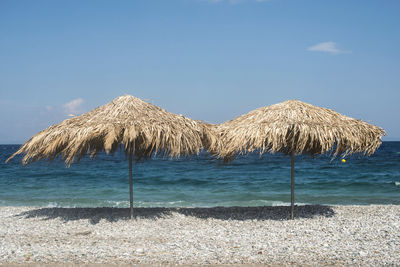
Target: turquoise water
{"points": [[202, 181]]}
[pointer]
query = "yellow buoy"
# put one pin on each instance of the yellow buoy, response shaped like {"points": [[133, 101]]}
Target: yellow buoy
{"points": [[343, 160]]}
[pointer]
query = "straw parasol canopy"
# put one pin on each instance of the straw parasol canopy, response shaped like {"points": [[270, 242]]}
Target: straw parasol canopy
{"points": [[142, 128], [294, 127]]}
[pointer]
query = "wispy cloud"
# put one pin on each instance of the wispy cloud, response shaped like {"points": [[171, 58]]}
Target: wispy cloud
{"points": [[73, 107], [328, 47]]}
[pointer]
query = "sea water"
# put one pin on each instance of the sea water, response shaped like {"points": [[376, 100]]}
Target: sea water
{"points": [[202, 181]]}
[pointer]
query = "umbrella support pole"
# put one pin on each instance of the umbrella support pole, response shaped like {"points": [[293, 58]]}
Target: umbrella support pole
{"points": [[130, 185], [292, 189]]}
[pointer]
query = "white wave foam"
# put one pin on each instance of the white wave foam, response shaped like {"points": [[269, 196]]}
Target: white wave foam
{"points": [[117, 204], [57, 205]]}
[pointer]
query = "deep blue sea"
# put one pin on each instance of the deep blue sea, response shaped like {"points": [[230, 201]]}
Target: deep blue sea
{"points": [[202, 181]]}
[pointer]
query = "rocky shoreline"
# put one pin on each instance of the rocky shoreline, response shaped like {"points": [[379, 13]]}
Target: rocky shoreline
{"points": [[320, 235]]}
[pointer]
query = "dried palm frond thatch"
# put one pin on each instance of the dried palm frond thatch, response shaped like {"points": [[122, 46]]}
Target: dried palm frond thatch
{"points": [[142, 128], [294, 127], [297, 127]]}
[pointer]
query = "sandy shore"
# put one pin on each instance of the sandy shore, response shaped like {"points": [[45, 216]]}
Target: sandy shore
{"points": [[320, 235]]}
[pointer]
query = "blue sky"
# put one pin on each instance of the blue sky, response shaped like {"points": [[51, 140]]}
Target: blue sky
{"points": [[209, 60]]}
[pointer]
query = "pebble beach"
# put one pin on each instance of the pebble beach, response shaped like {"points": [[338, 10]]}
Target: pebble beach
{"points": [[320, 235]]}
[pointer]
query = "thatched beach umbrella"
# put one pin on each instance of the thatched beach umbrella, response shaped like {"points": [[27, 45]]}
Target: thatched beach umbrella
{"points": [[142, 128], [294, 127]]}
